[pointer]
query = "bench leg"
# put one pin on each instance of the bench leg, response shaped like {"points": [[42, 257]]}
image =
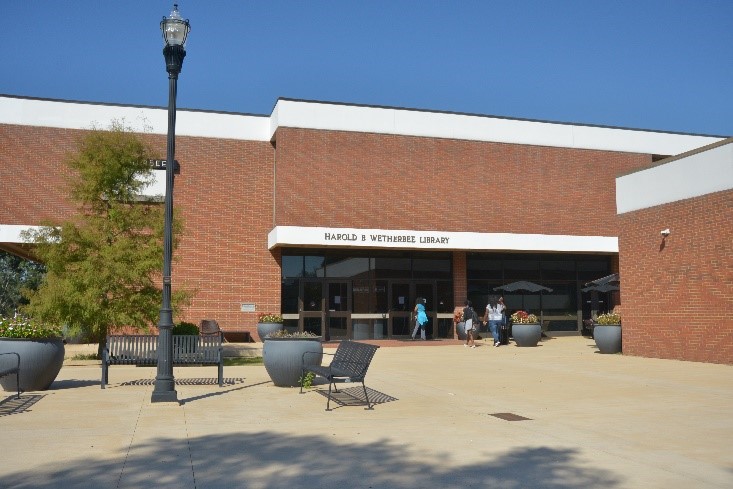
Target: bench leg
{"points": [[17, 382], [221, 373], [328, 403], [369, 406]]}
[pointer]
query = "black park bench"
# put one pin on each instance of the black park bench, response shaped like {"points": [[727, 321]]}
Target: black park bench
{"points": [[11, 366], [142, 350], [349, 364]]}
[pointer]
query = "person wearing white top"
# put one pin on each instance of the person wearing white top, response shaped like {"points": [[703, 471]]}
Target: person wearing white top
{"points": [[495, 315]]}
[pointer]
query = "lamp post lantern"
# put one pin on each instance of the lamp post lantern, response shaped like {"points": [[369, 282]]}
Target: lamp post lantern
{"points": [[175, 30]]}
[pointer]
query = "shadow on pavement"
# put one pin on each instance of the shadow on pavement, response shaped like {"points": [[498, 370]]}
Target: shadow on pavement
{"points": [[11, 405], [269, 460]]}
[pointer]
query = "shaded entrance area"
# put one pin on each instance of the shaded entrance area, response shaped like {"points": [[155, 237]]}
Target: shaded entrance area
{"points": [[366, 294]]}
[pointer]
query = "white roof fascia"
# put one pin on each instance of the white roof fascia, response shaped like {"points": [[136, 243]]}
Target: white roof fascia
{"points": [[10, 233], [381, 120], [686, 177], [436, 240], [85, 116]]}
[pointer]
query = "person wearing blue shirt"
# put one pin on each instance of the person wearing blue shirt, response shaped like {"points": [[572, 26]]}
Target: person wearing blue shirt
{"points": [[421, 319]]}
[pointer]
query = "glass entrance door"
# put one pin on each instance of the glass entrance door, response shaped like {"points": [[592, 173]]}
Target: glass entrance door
{"points": [[400, 309], [338, 315], [312, 307], [426, 290]]}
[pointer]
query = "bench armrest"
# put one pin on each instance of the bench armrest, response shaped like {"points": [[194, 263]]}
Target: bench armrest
{"points": [[313, 353]]}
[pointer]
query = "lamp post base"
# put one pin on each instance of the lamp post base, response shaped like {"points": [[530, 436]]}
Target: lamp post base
{"points": [[164, 396]]}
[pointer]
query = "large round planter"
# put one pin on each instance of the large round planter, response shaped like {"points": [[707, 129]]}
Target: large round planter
{"points": [[40, 362], [263, 329], [526, 334], [608, 337], [461, 330], [283, 358]]}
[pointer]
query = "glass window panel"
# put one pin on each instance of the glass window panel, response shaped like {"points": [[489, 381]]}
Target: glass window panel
{"points": [[292, 266], [362, 293], [337, 328], [347, 267], [392, 267], [338, 299], [445, 296], [401, 326], [478, 294], [289, 296], [592, 269], [558, 269], [433, 268], [291, 325], [381, 300], [312, 296], [314, 266], [400, 297], [313, 325], [521, 270], [483, 268]]}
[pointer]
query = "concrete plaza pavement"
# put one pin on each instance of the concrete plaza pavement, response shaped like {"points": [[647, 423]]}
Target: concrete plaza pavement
{"points": [[592, 420]]}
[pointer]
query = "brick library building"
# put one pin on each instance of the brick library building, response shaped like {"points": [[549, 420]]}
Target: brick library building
{"points": [[340, 216]]}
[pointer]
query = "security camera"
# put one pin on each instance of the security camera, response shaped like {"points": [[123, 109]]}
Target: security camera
{"points": [[666, 232]]}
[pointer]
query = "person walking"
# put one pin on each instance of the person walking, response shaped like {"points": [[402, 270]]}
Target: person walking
{"points": [[471, 319], [421, 318], [495, 315]]}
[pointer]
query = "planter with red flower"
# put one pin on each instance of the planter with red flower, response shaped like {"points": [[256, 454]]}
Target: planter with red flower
{"points": [[268, 323], [526, 329]]}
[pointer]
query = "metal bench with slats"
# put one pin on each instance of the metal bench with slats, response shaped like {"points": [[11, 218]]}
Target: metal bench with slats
{"points": [[349, 364], [142, 350]]}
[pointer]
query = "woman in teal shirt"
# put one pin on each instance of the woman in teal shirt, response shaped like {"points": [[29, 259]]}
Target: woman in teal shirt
{"points": [[421, 319]]}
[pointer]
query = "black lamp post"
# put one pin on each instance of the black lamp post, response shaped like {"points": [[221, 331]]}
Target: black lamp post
{"points": [[175, 30]]}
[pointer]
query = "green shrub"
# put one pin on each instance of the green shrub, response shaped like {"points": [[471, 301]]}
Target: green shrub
{"points": [[184, 328]]}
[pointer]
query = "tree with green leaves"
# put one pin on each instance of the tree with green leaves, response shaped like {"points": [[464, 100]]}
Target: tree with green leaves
{"points": [[16, 275], [104, 263]]}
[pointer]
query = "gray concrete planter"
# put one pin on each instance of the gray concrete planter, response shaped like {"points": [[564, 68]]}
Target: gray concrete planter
{"points": [[40, 362], [263, 329], [526, 334], [608, 337], [461, 330], [283, 358]]}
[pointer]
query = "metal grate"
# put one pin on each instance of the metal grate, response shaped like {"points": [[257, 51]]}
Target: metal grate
{"points": [[510, 417]]}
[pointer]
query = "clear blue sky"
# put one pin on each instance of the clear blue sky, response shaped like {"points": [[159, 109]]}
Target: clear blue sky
{"points": [[649, 64]]}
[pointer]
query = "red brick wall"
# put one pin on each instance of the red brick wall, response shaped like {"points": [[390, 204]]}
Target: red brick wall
{"points": [[224, 195], [677, 292], [332, 179]]}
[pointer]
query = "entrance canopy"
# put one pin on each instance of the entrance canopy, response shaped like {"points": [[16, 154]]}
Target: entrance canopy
{"points": [[320, 237]]}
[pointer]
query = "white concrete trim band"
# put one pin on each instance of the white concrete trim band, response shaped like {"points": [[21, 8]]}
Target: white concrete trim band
{"points": [[317, 237], [339, 117], [684, 178]]}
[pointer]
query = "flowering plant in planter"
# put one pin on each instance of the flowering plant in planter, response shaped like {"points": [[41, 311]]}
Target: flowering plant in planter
{"points": [[23, 327], [269, 318], [523, 317], [458, 316], [608, 318], [283, 333]]}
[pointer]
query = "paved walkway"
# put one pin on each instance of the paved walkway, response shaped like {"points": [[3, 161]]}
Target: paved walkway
{"points": [[592, 421]]}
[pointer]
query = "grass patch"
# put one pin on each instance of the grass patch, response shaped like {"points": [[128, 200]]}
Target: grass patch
{"points": [[233, 361], [85, 356]]}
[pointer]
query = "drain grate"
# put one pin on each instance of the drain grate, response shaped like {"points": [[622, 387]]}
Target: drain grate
{"points": [[510, 417]]}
